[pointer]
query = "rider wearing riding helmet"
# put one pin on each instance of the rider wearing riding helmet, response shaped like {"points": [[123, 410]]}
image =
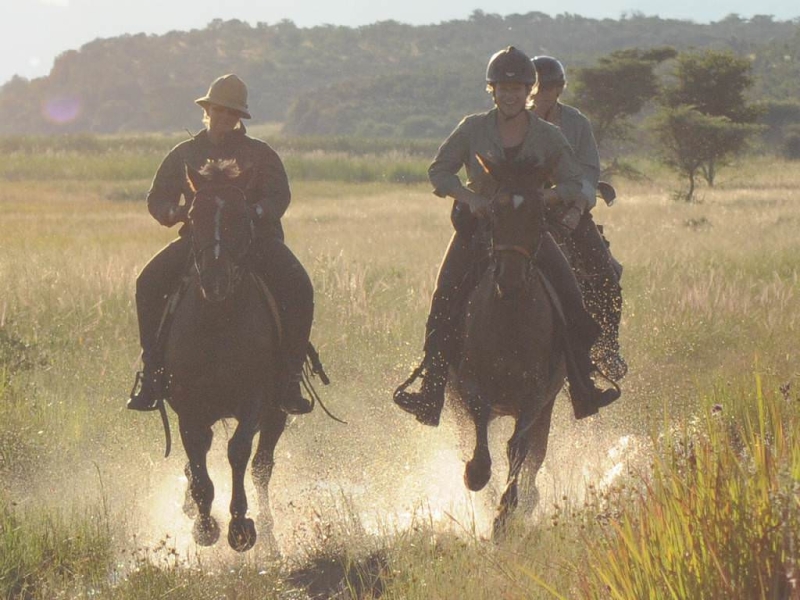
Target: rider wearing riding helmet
{"points": [[604, 293], [507, 132], [224, 138]]}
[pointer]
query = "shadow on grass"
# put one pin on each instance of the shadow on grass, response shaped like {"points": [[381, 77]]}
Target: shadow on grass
{"points": [[341, 578]]}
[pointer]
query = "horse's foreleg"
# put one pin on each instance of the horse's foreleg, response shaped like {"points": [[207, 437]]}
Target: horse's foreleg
{"points": [[540, 434], [479, 468], [519, 445], [197, 443], [241, 530], [272, 426]]}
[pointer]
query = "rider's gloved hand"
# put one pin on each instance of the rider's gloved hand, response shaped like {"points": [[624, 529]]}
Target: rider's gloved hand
{"points": [[256, 212], [477, 204], [570, 218], [170, 215]]}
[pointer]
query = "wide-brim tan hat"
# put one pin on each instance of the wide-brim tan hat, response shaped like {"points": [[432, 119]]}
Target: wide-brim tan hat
{"points": [[228, 91]]}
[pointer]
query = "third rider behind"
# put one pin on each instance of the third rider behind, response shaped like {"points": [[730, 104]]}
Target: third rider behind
{"points": [[603, 291]]}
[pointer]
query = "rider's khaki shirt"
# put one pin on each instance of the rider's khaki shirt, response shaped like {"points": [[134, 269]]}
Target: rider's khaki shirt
{"points": [[578, 131], [478, 134]]}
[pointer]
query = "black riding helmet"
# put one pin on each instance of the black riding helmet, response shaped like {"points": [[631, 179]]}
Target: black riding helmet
{"points": [[549, 70], [510, 66]]}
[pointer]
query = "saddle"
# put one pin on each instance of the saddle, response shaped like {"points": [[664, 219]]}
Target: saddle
{"points": [[313, 363]]}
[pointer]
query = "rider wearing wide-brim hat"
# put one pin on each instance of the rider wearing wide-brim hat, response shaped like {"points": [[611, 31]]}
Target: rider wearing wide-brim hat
{"points": [[507, 132], [228, 92], [268, 195], [603, 289]]}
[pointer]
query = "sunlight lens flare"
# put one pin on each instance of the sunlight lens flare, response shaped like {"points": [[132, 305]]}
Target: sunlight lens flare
{"points": [[62, 109]]}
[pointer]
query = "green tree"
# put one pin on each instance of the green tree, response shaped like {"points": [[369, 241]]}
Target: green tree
{"points": [[618, 88], [714, 84], [690, 140]]}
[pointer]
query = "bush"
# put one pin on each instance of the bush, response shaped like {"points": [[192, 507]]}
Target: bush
{"points": [[791, 144]]}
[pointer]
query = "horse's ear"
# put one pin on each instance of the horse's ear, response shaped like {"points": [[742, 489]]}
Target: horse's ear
{"points": [[193, 177]]}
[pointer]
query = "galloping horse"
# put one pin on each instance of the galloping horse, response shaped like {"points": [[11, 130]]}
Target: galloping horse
{"points": [[221, 356], [512, 361]]}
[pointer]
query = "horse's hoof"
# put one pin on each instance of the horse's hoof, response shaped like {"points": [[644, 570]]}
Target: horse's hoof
{"points": [[477, 474], [205, 531], [242, 534]]}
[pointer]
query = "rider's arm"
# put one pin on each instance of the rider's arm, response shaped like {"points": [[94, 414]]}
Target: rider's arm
{"points": [[271, 190], [586, 154], [568, 190], [450, 158], [167, 187], [452, 155]]}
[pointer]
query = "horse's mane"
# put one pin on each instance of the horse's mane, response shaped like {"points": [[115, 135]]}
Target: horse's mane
{"points": [[220, 170]]}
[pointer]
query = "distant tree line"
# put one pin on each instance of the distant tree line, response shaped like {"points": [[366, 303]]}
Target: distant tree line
{"points": [[384, 79]]}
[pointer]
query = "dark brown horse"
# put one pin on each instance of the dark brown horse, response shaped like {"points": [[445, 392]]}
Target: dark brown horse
{"points": [[512, 361], [221, 356]]}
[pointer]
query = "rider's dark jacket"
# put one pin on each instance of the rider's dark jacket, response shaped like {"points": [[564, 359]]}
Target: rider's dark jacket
{"points": [[269, 185]]}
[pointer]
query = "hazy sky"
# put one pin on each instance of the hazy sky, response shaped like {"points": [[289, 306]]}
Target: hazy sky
{"points": [[34, 32]]}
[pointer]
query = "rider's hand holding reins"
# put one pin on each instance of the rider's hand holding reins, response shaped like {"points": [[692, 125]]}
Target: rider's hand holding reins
{"points": [[478, 205], [571, 217], [172, 215]]}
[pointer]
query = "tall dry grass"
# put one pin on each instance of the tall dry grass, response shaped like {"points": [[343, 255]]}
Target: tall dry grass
{"points": [[377, 508]]}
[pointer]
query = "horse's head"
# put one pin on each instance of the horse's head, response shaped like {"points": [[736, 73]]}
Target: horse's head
{"points": [[221, 226], [517, 220]]}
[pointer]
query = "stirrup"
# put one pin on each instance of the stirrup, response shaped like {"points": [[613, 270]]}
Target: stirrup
{"points": [[424, 409], [293, 402], [611, 364], [144, 396]]}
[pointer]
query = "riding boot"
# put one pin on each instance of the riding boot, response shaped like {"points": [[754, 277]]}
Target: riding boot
{"points": [[148, 389], [441, 331], [153, 286], [581, 333], [426, 404], [296, 336], [587, 398], [294, 292]]}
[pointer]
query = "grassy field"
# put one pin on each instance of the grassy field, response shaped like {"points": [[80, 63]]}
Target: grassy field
{"points": [[689, 485]]}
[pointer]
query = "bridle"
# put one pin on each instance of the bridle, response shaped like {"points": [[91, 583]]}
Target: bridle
{"points": [[217, 244]]}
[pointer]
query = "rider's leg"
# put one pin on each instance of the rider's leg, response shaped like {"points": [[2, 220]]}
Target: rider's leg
{"points": [[153, 286], [582, 330], [291, 285], [604, 296], [440, 330]]}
